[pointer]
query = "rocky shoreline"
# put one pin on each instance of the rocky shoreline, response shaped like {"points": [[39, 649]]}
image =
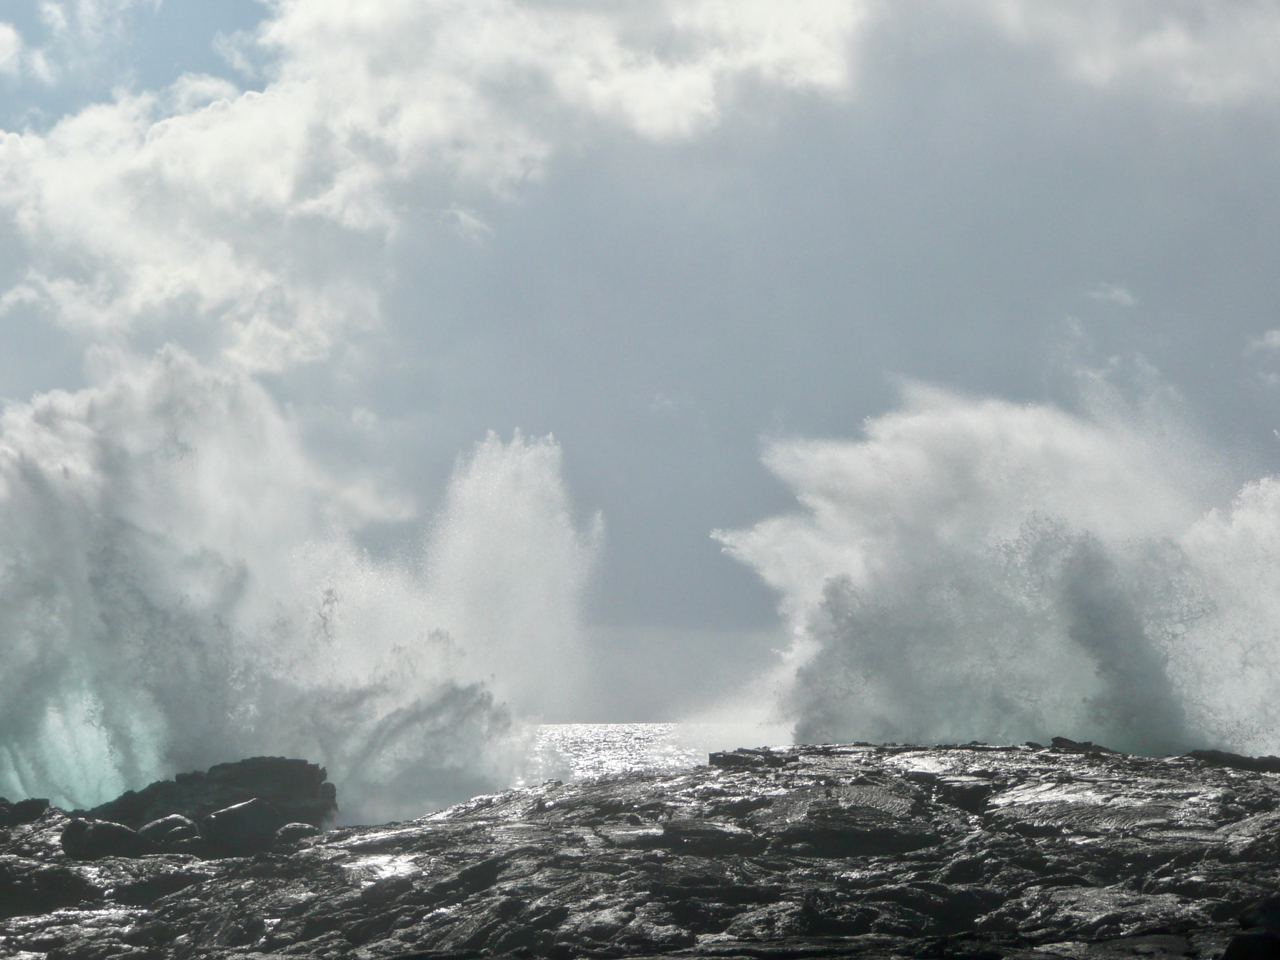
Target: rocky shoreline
{"points": [[971, 851]]}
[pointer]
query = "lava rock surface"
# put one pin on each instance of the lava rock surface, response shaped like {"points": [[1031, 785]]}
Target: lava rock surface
{"points": [[1069, 851], [296, 789]]}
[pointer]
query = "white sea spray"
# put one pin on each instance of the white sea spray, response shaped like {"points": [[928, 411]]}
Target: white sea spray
{"points": [[179, 587], [977, 569]]}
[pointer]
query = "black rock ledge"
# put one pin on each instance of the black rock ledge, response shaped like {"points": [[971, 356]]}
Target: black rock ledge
{"points": [[1066, 851]]}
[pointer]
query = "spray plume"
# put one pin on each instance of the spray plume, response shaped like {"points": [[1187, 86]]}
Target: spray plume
{"points": [[978, 569], [178, 587]]}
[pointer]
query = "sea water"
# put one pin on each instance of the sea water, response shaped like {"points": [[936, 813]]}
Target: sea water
{"points": [[573, 751]]}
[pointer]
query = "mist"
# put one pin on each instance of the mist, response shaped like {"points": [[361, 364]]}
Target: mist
{"points": [[181, 586], [975, 569]]}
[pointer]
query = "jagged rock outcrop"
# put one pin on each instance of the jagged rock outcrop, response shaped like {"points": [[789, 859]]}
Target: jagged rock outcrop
{"points": [[295, 788], [971, 851], [24, 811], [241, 807]]}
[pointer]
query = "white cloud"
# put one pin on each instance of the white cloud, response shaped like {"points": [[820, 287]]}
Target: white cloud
{"points": [[81, 39], [468, 225], [259, 218], [1200, 51], [54, 16], [91, 22], [204, 205], [10, 49], [236, 50], [1268, 343]]}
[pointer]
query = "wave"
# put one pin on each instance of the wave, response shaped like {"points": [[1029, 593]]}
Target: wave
{"points": [[976, 569], [180, 585]]}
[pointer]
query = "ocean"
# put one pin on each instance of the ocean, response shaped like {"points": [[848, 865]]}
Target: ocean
{"points": [[573, 751]]}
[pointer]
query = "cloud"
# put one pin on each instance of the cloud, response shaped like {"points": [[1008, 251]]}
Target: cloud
{"points": [[261, 216], [78, 38], [1201, 52], [10, 49], [468, 225], [1266, 345], [252, 224]]}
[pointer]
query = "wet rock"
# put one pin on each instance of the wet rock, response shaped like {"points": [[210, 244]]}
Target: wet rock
{"points": [[1261, 920], [243, 829], [170, 830], [1263, 915], [1220, 758], [295, 788], [95, 839], [1021, 853], [381, 892], [293, 832], [968, 793], [24, 811], [31, 887], [1253, 945], [746, 759], [27, 811]]}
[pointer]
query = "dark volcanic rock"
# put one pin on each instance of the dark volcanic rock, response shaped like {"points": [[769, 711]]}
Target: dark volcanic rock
{"points": [[295, 788], [27, 811], [24, 811], [39, 888], [95, 839], [170, 829], [293, 832], [948, 852], [244, 829]]}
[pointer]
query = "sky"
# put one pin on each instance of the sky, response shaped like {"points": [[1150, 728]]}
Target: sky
{"points": [[670, 235]]}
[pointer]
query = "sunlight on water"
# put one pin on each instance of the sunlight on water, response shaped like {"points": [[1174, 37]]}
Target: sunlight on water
{"points": [[572, 751]]}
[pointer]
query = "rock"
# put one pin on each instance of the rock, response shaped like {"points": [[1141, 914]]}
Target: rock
{"points": [[1220, 758], [27, 811], [1263, 915], [95, 839], [1253, 945], [169, 830], [293, 832], [746, 759], [381, 892], [1261, 920], [1071, 746], [954, 852], [24, 811], [30, 887], [296, 788], [243, 829]]}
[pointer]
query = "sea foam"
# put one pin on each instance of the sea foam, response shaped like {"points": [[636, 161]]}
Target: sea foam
{"points": [[976, 569], [179, 586]]}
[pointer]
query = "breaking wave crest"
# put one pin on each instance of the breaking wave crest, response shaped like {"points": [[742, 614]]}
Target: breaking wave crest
{"points": [[179, 587], [974, 569]]}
